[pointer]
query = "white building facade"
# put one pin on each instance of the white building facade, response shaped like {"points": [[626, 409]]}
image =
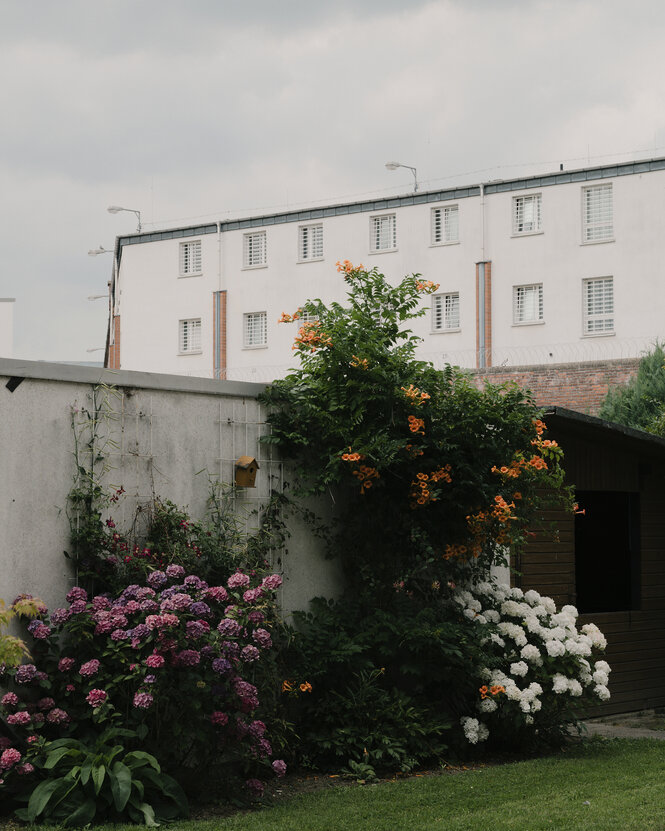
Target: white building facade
{"points": [[7, 327], [550, 269]]}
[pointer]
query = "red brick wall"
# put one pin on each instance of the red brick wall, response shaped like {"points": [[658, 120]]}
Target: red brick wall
{"points": [[581, 386]]}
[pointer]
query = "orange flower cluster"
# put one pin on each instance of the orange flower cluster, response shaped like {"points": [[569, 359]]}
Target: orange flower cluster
{"points": [[352, 457], [544, 443], [415, 396], [293, 686], [537, 463], [358, 363], [510, 472], [426, 285], [442, 474], [413, 451], [452, 550], [310, 337], [347, 267], [416, 425], [502, 509], [420, 493], [540, 426], [486, 691], [287, 318], [365, 475]]}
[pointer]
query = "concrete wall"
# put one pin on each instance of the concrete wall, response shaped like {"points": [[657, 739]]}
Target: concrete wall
{"points": [[164, 435]]}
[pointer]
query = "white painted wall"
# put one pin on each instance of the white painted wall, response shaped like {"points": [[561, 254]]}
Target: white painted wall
{"points": [[153, 298], [6, 327], [167, 430]]}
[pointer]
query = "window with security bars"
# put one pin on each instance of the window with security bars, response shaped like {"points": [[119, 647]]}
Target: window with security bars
{"points": [[310, 242], [445, 225], [383, 233], [445, 312], [254, 249], [255, 329], [190, 258], [527, 214], [598, 305], [528, 303], [189, 335], [597, 213]]}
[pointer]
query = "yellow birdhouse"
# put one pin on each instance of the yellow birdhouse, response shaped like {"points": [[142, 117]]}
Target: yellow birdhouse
{"points": [[246, 468]]}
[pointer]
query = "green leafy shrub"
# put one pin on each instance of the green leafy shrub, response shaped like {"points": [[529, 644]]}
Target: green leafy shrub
{"points": [[641, 402]]}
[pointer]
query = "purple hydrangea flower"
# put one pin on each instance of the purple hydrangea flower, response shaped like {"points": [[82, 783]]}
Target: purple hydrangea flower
{"points": [[150, 679], [279, 766], [143, 700], [271, 582], [229, 628], [238, 580], [217, 593], [200, 609], [195, 629], [65, 664], [57, 716], [9, 699], [255, 617], [59, 616], [231, 648], [78, 607], [119, 635], [22, 717], [174, 571], [99, 602], [178, 602], [257, 729], [262, 638], [89, 668], [26, 673], [255, 786], [77, 593], [96, 697], [157, 579], [221, 665], [188, 658], [252, 595], [192, 581], [249, 654]]}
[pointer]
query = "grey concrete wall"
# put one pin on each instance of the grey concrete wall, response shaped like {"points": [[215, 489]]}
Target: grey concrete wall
{"points": [[162, 435]]}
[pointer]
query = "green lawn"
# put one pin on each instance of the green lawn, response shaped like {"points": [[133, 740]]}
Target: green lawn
{"points": [[599, 786]]}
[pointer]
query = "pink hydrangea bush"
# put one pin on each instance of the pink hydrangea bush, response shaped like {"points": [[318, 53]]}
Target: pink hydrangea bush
{"points": [[181, 659]]}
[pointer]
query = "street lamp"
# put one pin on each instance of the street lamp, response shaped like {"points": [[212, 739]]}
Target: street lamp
{"points": [[115, 209], [395, 165], [95, 252]]}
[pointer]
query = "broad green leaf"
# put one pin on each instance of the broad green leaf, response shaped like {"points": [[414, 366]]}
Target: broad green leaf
{"points": [[83, 814], [98, 774], [40, 797], [121, 785], [56, 755], [139, 758]]}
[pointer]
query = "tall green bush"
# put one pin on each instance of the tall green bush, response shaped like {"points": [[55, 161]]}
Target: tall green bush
{"points": [[641, 402]]}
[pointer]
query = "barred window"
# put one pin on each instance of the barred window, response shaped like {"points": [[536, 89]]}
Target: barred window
{"points": [[254, 249], [597, 213], [528, 303], [190, 258], [255, 329], [383, 233], [445, 225], [189, 335], [445, 312], [598, 305], [310, 242], [527, 214]]}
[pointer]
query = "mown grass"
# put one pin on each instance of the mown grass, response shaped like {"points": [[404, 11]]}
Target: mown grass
{"points": [[601, 785]]}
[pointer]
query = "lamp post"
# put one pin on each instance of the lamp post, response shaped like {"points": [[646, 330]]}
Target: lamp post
{"points": [[115, 209], [395, 165]]}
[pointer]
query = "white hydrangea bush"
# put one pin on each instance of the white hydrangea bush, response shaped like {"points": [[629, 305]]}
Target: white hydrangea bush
{"points": [[540, 669]]}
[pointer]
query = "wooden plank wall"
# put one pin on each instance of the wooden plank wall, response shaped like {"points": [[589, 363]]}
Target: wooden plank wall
{"points": [[636, 638]]}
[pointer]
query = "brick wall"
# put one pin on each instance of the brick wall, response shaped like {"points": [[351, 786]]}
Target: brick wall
{"points": [[580, 386]]}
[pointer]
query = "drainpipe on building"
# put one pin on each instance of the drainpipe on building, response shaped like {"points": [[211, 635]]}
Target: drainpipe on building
{"points": [[219, 317], [483, 297]]}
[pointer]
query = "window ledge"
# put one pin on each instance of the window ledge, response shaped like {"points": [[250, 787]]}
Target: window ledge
{"points": [[256, 346], [529, 323], [517, 234], [310, 260], [384, 251], [599, 335], [254, 267], [445, 331], [597, 241], [443, 244], [191, 352], [186, 276]]}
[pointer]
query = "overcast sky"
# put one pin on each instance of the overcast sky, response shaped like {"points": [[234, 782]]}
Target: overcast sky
{"points": [[207, 109]]}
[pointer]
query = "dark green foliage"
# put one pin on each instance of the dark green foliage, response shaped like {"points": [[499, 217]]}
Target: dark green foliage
{"points": [[640, 403]]}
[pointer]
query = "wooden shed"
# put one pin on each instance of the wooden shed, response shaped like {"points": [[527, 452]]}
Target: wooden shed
{"points": [[609, 561]]}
